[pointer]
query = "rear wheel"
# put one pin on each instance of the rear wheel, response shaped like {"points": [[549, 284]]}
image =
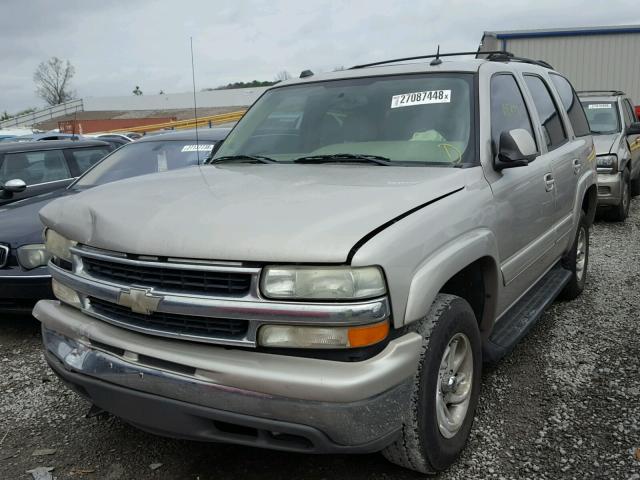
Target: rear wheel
{"points": [[620, 212], [577, 261], [445, 390]]}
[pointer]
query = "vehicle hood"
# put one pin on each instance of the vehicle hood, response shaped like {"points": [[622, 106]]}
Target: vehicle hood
{"points": [[245, 212], [19, 221], [605, 143]]}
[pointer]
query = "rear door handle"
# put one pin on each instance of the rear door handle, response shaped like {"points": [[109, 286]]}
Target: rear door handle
{"points": [[577, 166], [549, 182]]}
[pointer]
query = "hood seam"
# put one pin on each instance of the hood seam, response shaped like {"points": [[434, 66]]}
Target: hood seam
{"points": [[384, 226]]}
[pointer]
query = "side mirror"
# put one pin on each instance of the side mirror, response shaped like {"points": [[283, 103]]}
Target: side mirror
{"points": [[634, 129], [517, 148], [14, 186]]}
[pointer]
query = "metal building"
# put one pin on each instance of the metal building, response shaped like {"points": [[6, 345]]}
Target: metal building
{"points": [[593, 58]]}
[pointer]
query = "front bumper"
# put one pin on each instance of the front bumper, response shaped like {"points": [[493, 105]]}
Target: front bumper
{"points": [[20, 289], [609, 189], [204, 392]]}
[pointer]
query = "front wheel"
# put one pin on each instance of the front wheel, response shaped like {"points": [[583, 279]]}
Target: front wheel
{"points": [[445, 389], [577, 261], [620, 212]]}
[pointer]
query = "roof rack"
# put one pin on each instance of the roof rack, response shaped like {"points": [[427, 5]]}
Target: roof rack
{"points": [[419, 57], [510, 57], [494, 55], [601, 92]]}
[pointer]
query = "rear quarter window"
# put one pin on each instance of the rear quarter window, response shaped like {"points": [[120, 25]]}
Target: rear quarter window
{"points": [[572, 105], [86, 158]]}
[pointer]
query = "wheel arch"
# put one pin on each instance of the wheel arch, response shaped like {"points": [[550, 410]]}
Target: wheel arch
{"points": [[589, 203], [467, 267]]}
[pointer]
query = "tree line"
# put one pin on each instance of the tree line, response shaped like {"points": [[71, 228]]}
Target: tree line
{"points": [[53, 77]]}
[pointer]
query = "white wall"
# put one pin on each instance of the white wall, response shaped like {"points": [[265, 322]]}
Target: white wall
{"points": [[217, 98], [590, 62]]}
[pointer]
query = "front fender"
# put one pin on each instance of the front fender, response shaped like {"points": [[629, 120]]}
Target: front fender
{"points": [[444, 263]]}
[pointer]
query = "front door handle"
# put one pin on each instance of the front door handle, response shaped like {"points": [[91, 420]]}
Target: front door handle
{"points": [[549, 182], [577, 166]]}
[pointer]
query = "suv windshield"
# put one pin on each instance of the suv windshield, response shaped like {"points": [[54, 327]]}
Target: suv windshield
{"points": [[602, 116], [407, 120], [141, 158]]}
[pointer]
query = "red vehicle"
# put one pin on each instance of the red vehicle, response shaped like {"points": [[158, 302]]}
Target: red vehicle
{"points": [[638, 111]]}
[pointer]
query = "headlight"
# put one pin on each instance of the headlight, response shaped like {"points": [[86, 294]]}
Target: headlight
{"points": [[323, 283], [32, 256], [608, 162], [57, 245], [295, 336]]}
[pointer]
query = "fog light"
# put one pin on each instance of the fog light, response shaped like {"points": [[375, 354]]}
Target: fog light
{"points": [[65, 294], [297, 336]]}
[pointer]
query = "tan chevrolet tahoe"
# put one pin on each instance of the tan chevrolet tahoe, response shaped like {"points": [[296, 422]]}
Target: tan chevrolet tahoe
{"points": [[333, 277]]}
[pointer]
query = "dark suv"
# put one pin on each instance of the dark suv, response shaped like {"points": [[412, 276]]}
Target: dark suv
{"points": [[24, 277], [32, 168]]}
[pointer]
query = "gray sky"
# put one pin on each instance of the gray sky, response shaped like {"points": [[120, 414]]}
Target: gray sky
{"points": [[115, 45]]}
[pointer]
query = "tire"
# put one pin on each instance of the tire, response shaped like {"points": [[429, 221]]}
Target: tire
{"points": [[577, 262], [422, 445], [620, 212]]}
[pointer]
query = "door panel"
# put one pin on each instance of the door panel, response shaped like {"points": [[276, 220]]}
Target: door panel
{"points": [[524, 205], [562, 152], [526, 212], [566, 164], [33, 190]]}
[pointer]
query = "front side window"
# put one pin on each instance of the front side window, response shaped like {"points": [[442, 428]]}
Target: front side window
{"points": [[508, 110], [409, 120], [134, 159], [629, 111], [603, 116], [552, 126], [572, 105], [35, 167], [632, 111]]}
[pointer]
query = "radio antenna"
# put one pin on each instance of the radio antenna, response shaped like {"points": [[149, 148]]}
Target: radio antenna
{"points": [[195, 107]]}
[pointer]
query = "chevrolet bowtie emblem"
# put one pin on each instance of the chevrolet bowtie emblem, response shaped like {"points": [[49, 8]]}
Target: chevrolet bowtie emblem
{"points": [[139, 300]]}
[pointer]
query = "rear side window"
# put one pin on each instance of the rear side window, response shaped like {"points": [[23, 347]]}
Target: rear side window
{"points": [[35, 167], [572, 105], [508, 110], [548, 113], [86, 158]]}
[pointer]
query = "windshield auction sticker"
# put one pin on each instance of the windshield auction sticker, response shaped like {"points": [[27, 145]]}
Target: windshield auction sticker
{"points": [[203, 147], [593, 106], [421, 98]]}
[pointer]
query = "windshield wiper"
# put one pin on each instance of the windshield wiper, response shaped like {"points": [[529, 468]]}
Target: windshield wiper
{"points": [[243, 158], [604, 132], [344, 158]]}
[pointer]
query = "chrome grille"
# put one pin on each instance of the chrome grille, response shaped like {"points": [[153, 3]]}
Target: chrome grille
{"points": [[4, 255], [116, 287], [170, 278], [170, 323]]}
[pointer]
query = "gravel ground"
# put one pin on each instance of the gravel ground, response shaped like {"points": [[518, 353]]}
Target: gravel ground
{"points": [[564, 404]]}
